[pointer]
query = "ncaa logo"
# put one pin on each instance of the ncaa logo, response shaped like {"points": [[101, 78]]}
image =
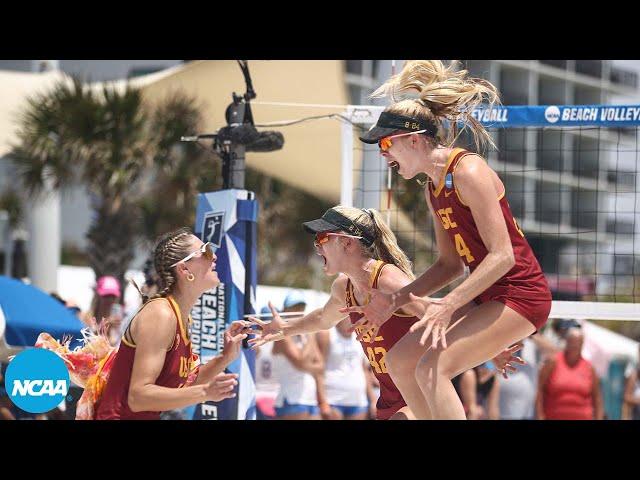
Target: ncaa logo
{"points": [[37, 380], [212, 228], [552, 114]]}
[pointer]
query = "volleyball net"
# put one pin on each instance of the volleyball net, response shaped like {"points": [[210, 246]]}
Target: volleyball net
{"points": [[570, 173]]}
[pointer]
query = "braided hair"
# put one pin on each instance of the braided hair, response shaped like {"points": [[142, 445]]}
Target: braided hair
{"points": [[170, 248]]}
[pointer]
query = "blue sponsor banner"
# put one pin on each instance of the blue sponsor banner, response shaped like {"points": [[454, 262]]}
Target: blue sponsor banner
{"points": [[227, 219], [559, 116]]}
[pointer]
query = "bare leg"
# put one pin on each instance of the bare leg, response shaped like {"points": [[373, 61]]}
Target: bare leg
{"points": [[336, 415], [485, 331], [295, 416], [401, 363]]}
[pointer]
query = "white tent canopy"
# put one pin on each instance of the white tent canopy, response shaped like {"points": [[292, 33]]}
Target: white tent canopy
{"points": [[601, 346]]}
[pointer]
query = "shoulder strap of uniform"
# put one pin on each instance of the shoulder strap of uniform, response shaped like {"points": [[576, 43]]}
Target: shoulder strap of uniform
{"points": [[375, 274], [454, 163], [348, 296]]}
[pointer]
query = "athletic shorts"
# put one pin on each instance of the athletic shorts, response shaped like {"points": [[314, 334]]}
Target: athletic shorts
{"points": [[533, 309], [350, 411], [295, 408]]}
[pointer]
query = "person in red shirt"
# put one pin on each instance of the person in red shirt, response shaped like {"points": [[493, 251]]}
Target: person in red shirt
{"points": [[568, 386], [506, 296], [153, 369]]}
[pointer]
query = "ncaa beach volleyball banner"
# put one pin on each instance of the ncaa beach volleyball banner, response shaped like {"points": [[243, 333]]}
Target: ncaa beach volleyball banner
{"points": [[560, 116], [227, 219]]}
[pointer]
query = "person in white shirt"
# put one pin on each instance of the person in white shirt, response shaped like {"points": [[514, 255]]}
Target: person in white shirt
{"points": [[297, 364], [518, 393], [345, 378]]}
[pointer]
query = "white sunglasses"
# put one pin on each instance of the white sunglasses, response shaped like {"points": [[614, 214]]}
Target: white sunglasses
{"points": [[206, 249]]}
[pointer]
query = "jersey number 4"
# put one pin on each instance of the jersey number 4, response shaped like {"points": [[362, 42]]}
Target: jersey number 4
{"points": [[462, 248]]}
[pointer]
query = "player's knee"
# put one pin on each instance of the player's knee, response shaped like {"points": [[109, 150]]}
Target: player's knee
{"points": [[426, 368], [398, 365], [430, 366]]}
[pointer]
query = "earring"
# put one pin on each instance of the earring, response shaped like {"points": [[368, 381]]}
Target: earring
{"points": [[191, 277]]}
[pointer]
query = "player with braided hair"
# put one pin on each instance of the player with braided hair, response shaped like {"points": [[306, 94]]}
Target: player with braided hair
{"points": [[154, 369]]}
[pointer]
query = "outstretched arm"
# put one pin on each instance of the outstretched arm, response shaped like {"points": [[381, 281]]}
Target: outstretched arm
{"points": [[233, 337], [319, 319]]}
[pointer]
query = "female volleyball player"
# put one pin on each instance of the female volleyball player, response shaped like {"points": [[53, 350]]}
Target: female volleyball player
{"points": [[154, 360], [506, 294], [360, 247]]}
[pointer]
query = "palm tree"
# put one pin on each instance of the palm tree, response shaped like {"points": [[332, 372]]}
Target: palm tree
{"points": [[11, 202], [110, 142], [143, 181]]}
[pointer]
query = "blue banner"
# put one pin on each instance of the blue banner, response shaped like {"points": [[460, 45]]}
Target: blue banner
{"points": [[559, 116], [227, 219]]}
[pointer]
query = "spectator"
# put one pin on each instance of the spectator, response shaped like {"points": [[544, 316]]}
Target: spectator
{"points": [[518, 392], [466, 385], [556, 333], [568, 387], [267, 386], [106, 307], [631, 402], [480, 392], [345, 379], [488, 391], [296, 364]]}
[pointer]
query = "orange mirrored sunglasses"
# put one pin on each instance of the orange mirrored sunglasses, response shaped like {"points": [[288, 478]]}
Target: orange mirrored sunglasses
{"points": [[385, 142], [323, 237]]}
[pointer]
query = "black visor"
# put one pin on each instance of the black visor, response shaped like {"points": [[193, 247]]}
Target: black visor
{"points": [[333, 221], [389, 123]]}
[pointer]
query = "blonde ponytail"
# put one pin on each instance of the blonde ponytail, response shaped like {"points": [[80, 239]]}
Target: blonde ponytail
{"points": [[444, 93]]}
